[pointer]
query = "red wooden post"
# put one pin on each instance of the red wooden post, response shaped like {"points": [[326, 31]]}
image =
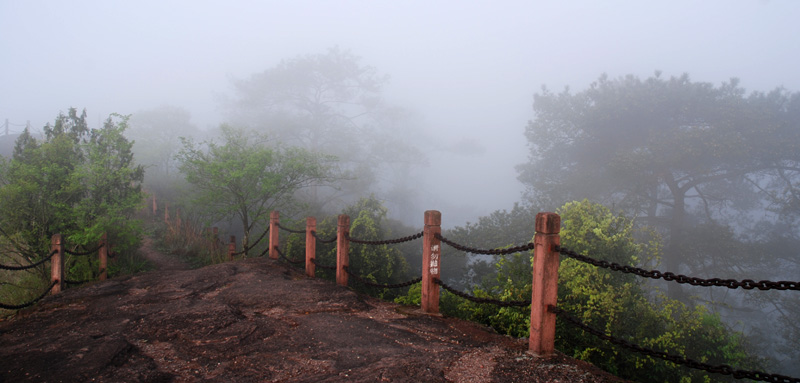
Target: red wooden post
{"points": [[57, 263], [311, 246], [155, 206], [214, 239], [166, 212], [431, 258], [231, 247], [273, 234], [342, 249], [103, 255], [545, 284]]}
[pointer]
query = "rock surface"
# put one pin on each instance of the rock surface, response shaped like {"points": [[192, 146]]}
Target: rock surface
{"points": [[256, 320]]}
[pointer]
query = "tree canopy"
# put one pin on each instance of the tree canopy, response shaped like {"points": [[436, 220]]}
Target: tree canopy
{"points": [[247, 176], [77, 181], [329, 103], [672, 152]]}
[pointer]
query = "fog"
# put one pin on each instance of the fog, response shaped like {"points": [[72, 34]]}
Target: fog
{"points": [[464, 74], [466, 71]]}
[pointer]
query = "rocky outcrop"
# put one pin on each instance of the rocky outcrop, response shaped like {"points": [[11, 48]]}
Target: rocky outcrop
{"points": [[256, 320]]}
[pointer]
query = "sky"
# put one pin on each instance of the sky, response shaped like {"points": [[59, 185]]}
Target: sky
{"points": [[468, 70]]}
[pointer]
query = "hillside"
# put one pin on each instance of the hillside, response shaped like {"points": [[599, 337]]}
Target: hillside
{"points": [[256, 320]]}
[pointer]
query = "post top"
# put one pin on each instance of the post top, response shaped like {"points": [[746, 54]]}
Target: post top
{"points": [[548, 223], [433, 218], [344, 220], [274, 214]]}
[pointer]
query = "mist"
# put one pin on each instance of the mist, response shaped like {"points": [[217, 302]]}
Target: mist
{"points": [[466, 71], [461, 76]]}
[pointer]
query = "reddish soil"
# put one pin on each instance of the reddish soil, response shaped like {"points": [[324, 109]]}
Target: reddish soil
{"points": [[256, 320]]}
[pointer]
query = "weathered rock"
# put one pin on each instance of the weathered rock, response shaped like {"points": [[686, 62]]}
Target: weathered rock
{"points": [[256, 321]]}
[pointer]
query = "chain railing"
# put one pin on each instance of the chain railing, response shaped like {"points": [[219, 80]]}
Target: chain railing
{"points": [[31, 302], [250, 247], [293, 231], [326, 267], [543, 304], [285, 258], [380, 285], [26, 267], [496, 302], [323, 240], [84, 253], [717, 369], [503, 251], [746, 284], [385, 241], [56, 257]]}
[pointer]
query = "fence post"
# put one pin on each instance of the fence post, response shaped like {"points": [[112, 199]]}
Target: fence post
{"points": [[231, 247], [342, 249], [431, 258], [214, 239], [57, 263], [545, 284], [166, 212], [155, 205], [274, 218], [311, 246], [103, 255]]}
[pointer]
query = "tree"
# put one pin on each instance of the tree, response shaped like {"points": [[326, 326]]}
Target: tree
{"points": [[77, 181], [672, 152], [616, 303], [329, 103], [246, 178]]}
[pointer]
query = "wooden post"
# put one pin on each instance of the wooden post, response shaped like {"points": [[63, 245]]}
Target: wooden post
{"points": [[545, 284], [166, 212], [274, 218], [103, 255], [155, 205], [431, 261], [57, 263], [311, 246], [342, 249], [215, 239], [231, 247]]}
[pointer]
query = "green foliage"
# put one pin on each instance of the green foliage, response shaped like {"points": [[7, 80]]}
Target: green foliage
{"points": [[616, 303], [380, 264], [245, 178], [78, 181]]}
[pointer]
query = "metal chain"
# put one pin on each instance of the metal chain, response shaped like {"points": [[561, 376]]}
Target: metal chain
{"points": [[254, 243], [290, 230], [387, 286], [747, 284], [386, 241], [481, 300], [17, 268], [719, 369], [314, 261], [24, 305], [280, 253], [75, 253], [314, 234], [516, 249]]}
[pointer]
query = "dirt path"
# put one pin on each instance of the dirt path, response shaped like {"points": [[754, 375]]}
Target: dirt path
{"points": [[255, 320], [160, 260]]}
